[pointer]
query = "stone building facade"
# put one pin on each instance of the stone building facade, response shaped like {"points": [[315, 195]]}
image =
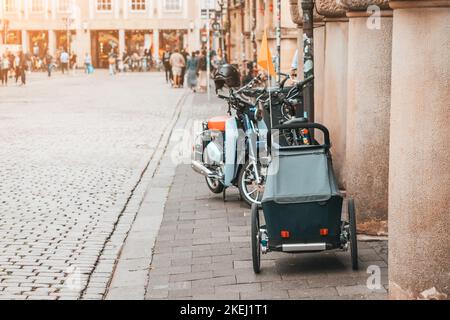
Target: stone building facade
{"points": [[383, 88], [94, 25], [248, 19]]}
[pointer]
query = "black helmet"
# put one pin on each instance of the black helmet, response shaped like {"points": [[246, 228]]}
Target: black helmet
{"points": [[227, 76]]}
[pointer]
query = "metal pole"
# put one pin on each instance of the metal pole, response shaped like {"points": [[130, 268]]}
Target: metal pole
{"points": [[68, 35], [228, 30], [208, 53], [308, 57], [243, 30], [255, 45], [278, 39], [222, 33]]}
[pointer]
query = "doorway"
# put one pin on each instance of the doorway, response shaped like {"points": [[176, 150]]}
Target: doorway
{"points": [[103, 42], [38, 43]]}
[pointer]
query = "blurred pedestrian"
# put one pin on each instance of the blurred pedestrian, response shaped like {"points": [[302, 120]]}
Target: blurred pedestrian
{"points": [[177, 63], [5, 66], [11, 58], [112, 63], [166, 64], [36, 50], [148, 59], [73, 62], [202, 71], [48, 60], [64, 58], [87, 63], [250, 73], [29, 62], [20, 65], [192, 72], [185, 55], [218, 60]]}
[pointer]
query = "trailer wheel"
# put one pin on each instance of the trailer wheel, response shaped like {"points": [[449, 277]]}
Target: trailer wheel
{"points": [[256, 239], [353, 234]]}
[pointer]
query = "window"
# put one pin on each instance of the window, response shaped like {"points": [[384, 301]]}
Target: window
{"points": [[104, 5], [64, 5], [138, 5], [172, 5], [10, 5], [37, 5]]}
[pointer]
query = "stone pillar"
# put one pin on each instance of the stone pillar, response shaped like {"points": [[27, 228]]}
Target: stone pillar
{"points": [[419, 180], [82, 45], [156, 44], [335, 81], [368, 111], [25, 44], [122, 44], [52, 42], [319, 64]]}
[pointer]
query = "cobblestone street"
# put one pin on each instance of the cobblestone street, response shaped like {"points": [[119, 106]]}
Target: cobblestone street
{"points": [[73, 151]]}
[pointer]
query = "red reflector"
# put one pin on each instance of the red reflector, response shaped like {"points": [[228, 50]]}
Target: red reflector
{"points": [[324, 232], [285, 234]]}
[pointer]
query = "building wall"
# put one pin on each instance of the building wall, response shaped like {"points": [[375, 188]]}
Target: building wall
{"points": [[265, 19], [86, 18]]}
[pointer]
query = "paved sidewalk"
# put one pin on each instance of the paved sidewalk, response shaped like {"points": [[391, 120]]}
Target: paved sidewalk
{"points": [[203, 252]]}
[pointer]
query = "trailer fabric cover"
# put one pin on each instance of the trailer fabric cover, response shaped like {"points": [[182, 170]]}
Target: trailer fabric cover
{"points": [[300, 176]]}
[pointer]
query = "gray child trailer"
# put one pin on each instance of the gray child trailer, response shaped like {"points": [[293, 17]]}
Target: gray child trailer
{"points": [[302, 204]]}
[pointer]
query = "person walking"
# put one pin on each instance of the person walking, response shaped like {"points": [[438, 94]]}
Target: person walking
{"points": [[185, 55], [218, 60], [36, 50], [192, 72], [112, 63], [12, 70], [250, 74], [29, 62], [64, 58], [20, 65], [177, 63], [166, 64], [73, 62], [5, 66], [87, 63], [202, 71], [49, 63]]}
